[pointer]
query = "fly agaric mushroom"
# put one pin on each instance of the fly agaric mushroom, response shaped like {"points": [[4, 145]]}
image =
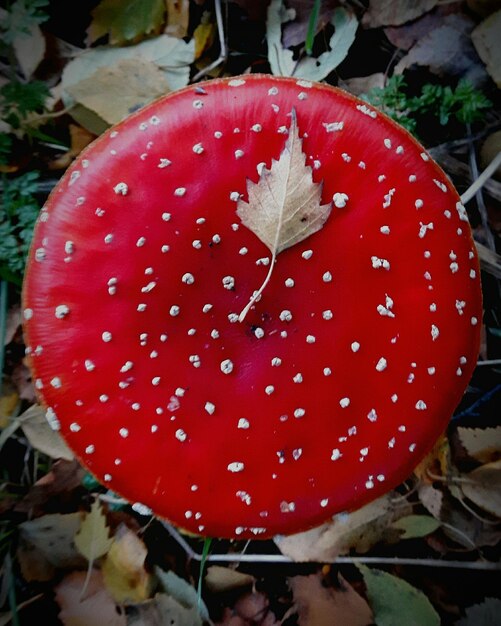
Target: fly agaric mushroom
{"points": [[251, 305]]}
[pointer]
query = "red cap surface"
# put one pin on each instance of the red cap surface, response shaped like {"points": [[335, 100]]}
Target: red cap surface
{"points": [[341, 375]]}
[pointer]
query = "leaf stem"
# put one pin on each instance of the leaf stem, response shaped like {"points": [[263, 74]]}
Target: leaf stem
{"points": [[258, 293]]}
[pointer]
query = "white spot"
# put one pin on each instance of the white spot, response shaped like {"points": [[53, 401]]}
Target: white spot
{"points": [[388, 197], [239, 154], [336, 454], [332, 127], [236, 82], [327, 314], [181, 435], [385, 230], [226, 366], [276, 361], [355, 346], [307, 254], [236, 466], [210, 408], [380, 263], [419, 203], [128, 365], [382, 364], [155, 381], [163, 163], [372, 415], [188, 279], [259, 332], [327, 277], [474, 321], [434, 332], [269, 389], [287, 507], [285, 315], [180, 191], [198, 148], [344, 403], [243, 423], [121, 189], [387, 143], [228, 282], [327, 371], [424, 228], [257, 128], [106, 336], [299, 413], [363, 108], [194, 359], [123, 432], [174, 310], [206, 308]]}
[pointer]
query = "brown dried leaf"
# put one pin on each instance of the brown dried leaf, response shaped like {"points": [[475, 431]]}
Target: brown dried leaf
{"points": [[64, 478], [123, 568], [359, 531], [394, 12], [96, 608], [482, 444], [483, 487], [485, 38], [284, 206], [46, 544], [321, 606], [162, 610], [115, 91]]}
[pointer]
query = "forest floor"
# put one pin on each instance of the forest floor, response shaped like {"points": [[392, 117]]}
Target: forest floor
{"points": [[75, 553]]}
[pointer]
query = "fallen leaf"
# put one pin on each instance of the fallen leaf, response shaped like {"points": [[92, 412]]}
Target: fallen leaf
{"points": [[97, 608], [80, 138], [181, 590], [123, 568], [219, 579], [483, 487], [280, 212], [47, 544], [204, 34], [362, 84], [295, 31], [490, 148], [125, 21], [116, 91], [482, 444], [41, 436], [394, 12], [446, 50], [484, 614], [485, 38], [413, 526], [29, 48], [161, 610], [173, 56], [318, 605], [178, 17], [281, 59], [63, 478], [431, 498], [93, 539], [395, 602], [8, 405], [436, 463], [21, 377], [358, 531], [317, 68], [254, 608]]}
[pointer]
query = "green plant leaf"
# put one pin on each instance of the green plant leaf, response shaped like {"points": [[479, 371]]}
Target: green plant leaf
{"points": [[413, 526], [395, 602], [126, 21]]}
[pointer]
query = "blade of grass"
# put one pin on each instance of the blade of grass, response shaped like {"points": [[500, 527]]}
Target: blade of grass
{"points": [[312, 27], [203, 562]]}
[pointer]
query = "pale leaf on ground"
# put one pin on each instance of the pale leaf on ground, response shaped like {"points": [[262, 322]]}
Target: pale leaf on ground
{"points": [[162, 610], [358, 531], [49, 541], [97, 608], [29, 49], [483, 487], [485, 614], [93, 540], [124, 570], [324, 606], [124, 21], [394, 12], [219, 579], [345, 27], [395, 602], [178, 17], [41, 436], [482, 444], [362, 84], [485, 38], [173, 56], [280, 58], [184, 593], [115, 91], [431, 498]]}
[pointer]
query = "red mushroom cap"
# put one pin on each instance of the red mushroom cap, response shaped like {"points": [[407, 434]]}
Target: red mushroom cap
{"points": [[341, 375]]}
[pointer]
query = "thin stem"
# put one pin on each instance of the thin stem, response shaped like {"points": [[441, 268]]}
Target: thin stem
{"points": [[257, 294], [481, 180], [205, 554]]}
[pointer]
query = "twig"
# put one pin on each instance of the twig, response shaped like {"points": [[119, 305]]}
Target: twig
{"points": [[223, 52], [481, 179], [473, 410]]}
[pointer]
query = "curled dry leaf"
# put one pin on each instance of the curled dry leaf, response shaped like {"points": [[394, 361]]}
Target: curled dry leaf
{"points": [[318, 605], [395, 12], [97, 608], [483, 487], [41, 436], [219, 579]]}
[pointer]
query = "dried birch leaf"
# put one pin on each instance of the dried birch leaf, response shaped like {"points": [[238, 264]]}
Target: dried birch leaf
{"points": [[93, 540], [285, 204]]}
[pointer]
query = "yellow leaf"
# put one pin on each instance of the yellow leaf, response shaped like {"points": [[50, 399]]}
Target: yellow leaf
{"points": [[125, 20], [123, 568], [93, 540], [8, 404], [203, 35], [284, 206]]}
